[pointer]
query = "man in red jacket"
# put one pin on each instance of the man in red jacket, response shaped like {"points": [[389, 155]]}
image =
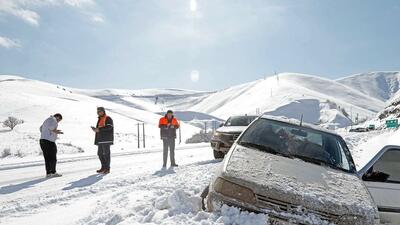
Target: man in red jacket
{"points": [[168, 125]]}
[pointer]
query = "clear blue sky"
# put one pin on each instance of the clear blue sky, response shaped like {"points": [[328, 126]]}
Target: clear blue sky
{"points": [[146, 43]]}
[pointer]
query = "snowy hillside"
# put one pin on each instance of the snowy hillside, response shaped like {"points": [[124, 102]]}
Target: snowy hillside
{"points": [[392, 110], [137, 191], [34, 101], [154, 100], [319, 100], [380, 85]]}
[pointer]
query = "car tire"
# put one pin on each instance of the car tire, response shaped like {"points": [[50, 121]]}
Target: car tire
{"points": [[218, 155]]}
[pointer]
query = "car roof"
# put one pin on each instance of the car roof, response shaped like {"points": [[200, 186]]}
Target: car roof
{"points": [[297, 123], [244, 116], [375, 158], [367, 150]]}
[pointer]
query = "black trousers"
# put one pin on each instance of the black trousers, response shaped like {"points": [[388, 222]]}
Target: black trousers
{"points": [[104, 155], [168, 143], [49, 150]]}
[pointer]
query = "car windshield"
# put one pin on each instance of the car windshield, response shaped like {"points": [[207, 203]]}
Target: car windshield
{"points": [[298, 142], [240, 120]]}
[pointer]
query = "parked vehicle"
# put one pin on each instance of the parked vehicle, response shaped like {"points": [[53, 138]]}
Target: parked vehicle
{"points": [[359, 129], [382, 178], [226, 135], [292, 172]]}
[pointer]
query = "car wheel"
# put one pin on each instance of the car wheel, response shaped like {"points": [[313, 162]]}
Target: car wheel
{"points": [[218, 155]]}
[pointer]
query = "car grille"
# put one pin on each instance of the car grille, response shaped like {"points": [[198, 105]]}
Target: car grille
{"points": [[280, 206]]}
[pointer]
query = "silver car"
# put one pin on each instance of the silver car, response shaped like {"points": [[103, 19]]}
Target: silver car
{"points": [[224, 137], [295, 173], [382, 178]]}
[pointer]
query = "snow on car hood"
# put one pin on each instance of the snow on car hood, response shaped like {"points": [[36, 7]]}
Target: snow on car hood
{"points": [[300, 183], [231, 129]]}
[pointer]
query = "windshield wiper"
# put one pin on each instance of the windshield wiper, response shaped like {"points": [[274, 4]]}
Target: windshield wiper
{"points": [[262, 148], [316, 161]]}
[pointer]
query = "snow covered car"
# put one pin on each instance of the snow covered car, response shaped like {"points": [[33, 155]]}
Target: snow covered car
{"points": [[381, 175], [226, 135], [296, 173]]}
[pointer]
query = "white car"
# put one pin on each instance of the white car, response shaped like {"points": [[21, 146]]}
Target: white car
{"points": [[296, 173], [381, 175]]}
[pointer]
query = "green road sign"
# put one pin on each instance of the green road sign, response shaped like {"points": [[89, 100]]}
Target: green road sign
{"points": [[392, 123]]}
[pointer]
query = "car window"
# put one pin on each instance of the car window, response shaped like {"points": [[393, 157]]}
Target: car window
{"points": [[298, 142], [386, 169], [342, 158], [240, 120]]}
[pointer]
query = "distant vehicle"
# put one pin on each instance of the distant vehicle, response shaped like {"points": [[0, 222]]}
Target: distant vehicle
{"points": [[359, 129], [292, 172], [382, 178], [226, 135]]}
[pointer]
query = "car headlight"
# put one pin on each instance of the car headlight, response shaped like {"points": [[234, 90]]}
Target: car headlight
{"points": [[235, 191], [351, 219], [217, 134]]}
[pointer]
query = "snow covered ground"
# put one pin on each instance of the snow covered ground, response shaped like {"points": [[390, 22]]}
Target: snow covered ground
{"points": [[34, 101], [137, 191]]}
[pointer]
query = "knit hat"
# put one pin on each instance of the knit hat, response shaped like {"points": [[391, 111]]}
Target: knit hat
{"points": [[101, 109]]}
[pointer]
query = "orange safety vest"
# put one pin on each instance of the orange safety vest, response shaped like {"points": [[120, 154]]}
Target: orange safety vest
{"points": [[164, 122], [102, 121]]}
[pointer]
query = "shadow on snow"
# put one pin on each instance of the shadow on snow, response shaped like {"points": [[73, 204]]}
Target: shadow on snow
{"points": [[84, 182], [163, 172], [17, 187]]}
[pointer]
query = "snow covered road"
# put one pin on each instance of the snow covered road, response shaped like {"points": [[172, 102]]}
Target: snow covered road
{"points": [[137, 191]]}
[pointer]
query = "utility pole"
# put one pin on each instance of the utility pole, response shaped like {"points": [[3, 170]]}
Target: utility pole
{"points": [[351, 114], [144, 138], [138, 135], [277, 78], [180, 135]]}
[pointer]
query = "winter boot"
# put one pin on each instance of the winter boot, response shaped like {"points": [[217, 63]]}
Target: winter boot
{"points": [[55, 175], [106, 171]]}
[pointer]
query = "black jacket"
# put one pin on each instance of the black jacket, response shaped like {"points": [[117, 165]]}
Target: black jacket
{"points": [[106, 134], [168, 127]]}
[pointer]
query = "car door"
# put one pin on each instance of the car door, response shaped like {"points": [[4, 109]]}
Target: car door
{"points": [[382, 178]]}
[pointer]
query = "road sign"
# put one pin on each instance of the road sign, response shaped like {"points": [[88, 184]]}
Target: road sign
{"points": [[392, 123]]}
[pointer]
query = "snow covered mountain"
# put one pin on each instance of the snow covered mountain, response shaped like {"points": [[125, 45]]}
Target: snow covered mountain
{"points": [[33, 101], [380, 85], [321, 101], [392, 110]]}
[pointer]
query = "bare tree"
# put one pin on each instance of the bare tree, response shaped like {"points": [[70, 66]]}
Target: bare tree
{"points": [[12, 122]]}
